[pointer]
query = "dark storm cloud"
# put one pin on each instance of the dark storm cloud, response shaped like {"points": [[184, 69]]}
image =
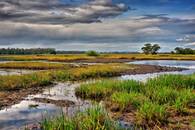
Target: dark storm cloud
{"points": [[56, 12]]}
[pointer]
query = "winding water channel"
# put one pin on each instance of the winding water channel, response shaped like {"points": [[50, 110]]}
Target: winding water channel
{"points": [[22, 114]]}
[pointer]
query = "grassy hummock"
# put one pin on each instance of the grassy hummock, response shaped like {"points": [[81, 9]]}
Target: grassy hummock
{"points": [[155, 102], [33, 65]]}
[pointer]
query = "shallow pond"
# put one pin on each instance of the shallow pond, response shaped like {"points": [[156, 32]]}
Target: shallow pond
{"points": [[29, 111]]}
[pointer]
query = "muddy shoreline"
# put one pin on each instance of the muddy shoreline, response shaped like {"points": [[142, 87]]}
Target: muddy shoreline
{"points": [[10, 98], [13, 97]]}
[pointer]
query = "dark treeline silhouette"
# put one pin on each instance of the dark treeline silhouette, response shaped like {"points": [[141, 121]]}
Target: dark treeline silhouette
{"points": [[21, 51], [70, 52], [180, 50]]}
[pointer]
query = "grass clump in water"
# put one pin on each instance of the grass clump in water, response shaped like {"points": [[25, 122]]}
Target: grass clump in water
{"points": [[95, 118]]}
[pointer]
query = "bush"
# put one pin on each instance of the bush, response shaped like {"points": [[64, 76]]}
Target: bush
{"points": [[92, 53]]}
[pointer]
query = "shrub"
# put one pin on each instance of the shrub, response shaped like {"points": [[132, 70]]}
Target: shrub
{"points": [[92, 53]]}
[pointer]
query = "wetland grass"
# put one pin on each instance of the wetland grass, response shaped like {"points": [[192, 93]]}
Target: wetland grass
{"points": [[105, 88], [153, 102], [108, 57], [95, 118], [97, 71], [16, 82], [11, 82], [33, 65]]}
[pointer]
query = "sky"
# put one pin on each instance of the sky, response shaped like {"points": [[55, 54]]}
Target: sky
{"points": [[101, 25]]}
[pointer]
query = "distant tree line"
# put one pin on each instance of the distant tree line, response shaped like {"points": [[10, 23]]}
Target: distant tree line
{"points": [[149, 48], [22, 51], [180, 50]]}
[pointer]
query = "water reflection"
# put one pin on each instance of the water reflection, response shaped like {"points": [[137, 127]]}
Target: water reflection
{"points": [[22, 114]]}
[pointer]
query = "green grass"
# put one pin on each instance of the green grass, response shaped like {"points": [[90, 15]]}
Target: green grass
{"points": [[125, 99], [105, 88], [95, 118], [151, 112], [176, 81], [151, 101]]}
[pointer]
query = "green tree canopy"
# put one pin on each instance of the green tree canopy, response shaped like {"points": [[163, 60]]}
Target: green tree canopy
{"points": [[150, 49]]}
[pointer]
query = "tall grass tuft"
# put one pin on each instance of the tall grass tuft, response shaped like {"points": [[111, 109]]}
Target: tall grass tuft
{"points": [[105, 88], [124, 99], [95, 118], [151, 112], [175, 81]]}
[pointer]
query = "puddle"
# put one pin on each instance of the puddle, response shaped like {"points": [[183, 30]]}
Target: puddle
{"points": [[29, 112]]}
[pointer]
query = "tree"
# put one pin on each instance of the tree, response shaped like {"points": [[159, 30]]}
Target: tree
{"points": [[180, 50], [147, 48], [155, 48], [150, 49]]}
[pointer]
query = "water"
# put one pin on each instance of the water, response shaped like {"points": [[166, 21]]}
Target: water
{"points": [[190, 65], [168, 63], [20, 115], [15, 71]]}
